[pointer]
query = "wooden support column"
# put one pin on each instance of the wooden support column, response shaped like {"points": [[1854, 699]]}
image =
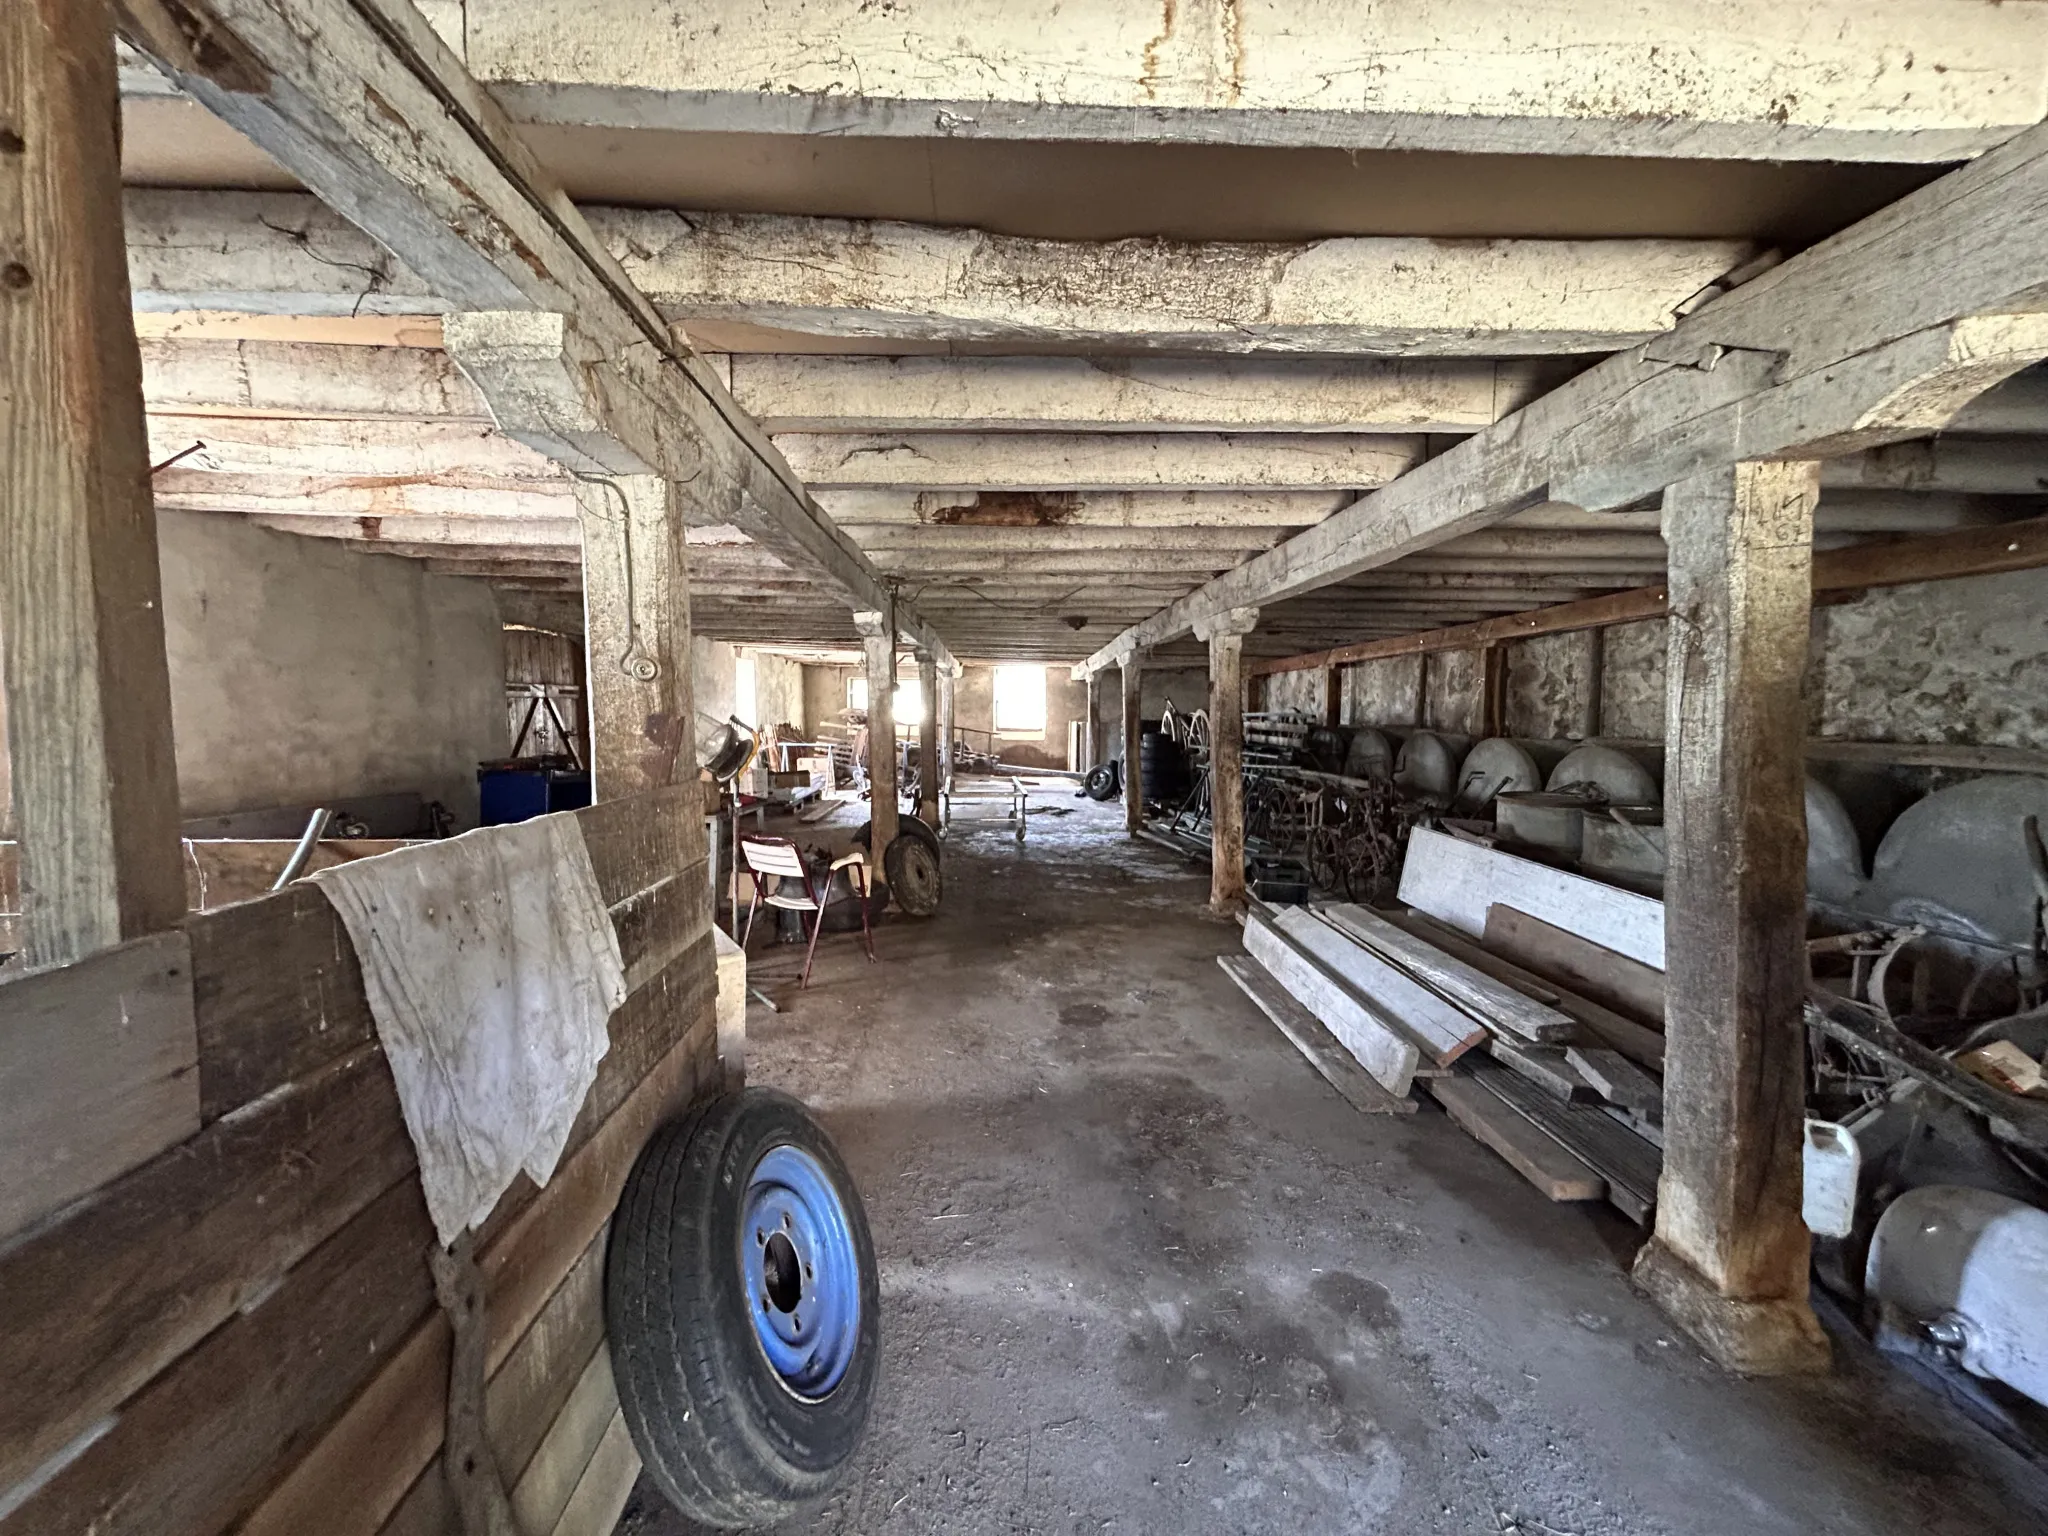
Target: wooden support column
{"points": [[1225, 634], [1091, 724], [94, 776], [949, 702], [1132, 668], [1333, 696], [878, 638], [928, 740], [1729, 1259], [636, 625], [1592, 703], [1493, 695]]}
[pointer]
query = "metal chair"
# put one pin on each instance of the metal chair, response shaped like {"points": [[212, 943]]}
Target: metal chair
{"points": [[780, 860]]}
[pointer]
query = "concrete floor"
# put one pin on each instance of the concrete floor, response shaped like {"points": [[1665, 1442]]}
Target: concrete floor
{"points": [[1143, 1271]]}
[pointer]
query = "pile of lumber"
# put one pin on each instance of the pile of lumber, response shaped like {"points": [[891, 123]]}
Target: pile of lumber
{"points": [[1566, 1088]]}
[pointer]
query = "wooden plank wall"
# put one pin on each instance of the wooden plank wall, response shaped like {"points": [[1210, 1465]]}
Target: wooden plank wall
{"points": [[240, 1335]]}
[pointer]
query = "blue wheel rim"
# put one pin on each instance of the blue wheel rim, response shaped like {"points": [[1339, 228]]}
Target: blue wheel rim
{"points": [[800, 1271]]}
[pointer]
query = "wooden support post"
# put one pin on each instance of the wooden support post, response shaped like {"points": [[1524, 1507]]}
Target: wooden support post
{"points": [[1091, 725], [1592, 704], [1225, 634], [928, 769], [94, 776], [1493, 696], [1333, 696], [878, 637], [636, 601], [1730, 1256], [1132, 668], [949, 703], [1422, 691]]}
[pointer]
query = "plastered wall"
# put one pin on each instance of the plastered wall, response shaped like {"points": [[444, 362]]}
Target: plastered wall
{"points": [[302, 670]]}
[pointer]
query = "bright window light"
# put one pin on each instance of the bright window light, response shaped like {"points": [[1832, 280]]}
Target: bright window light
{"points": [[910, 702], [909, 699], [1020, 700]]}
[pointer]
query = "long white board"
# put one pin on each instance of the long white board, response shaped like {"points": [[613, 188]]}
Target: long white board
{"points": [[1455, 882], [1382, 1050]]}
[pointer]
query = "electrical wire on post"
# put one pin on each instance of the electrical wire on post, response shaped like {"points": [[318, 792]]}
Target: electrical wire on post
{"points": [[634, 661]]}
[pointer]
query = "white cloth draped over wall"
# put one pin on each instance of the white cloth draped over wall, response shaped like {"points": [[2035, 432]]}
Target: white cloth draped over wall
{"points": [[491, 967]]}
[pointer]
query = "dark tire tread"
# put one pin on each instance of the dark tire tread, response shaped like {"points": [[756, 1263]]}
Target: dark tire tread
{"points": [[718, 1433]]}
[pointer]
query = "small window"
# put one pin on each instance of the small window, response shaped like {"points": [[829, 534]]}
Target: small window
{"points": [[1020, 700], [908, 700]]}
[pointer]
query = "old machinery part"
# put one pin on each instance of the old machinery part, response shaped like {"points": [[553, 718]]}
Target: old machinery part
{"points": [[1606, 773], [1967, 1270], [1495, 766]]}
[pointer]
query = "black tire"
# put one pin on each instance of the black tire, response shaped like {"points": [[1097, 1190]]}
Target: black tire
{"points": [[1101, 783], [915, 878], [906, 826], [720, 1433]]}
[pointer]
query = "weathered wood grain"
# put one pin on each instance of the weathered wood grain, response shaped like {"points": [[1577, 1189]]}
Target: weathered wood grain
{"points": [[1593, 970], [330, 1491], [1225, 635], [1443, 1030], [1633, 1040], [637, 841], [542, 1492], [1368, 1034], [1532, 1154], [1482, 995], [1318, 1047], [386, 1438], [607, 1481], [132, 1279], [94, 778], [1457, 882], [200, 1443], [101, 1073], [1729, 1218], [278, 993], [661, 922]]}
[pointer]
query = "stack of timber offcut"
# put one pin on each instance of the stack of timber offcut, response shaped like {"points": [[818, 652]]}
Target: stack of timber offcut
{"points": [[1563, 1085]]}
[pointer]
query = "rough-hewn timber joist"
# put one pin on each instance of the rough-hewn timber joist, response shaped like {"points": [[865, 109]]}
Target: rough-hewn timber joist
{"points": [[1890, 563], [365, 103], [1947, 283]]}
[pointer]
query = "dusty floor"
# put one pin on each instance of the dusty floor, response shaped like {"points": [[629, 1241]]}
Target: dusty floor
{"points": [[1143, 1271]]}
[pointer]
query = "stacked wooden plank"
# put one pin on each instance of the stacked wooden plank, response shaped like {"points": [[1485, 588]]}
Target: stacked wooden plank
{"points": [[1564, 1086], [239, 1331]]}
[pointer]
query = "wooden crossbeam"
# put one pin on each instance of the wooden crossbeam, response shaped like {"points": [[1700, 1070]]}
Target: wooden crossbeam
{"points": [[366, 104], [1948, 279], [1880, 563]]}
